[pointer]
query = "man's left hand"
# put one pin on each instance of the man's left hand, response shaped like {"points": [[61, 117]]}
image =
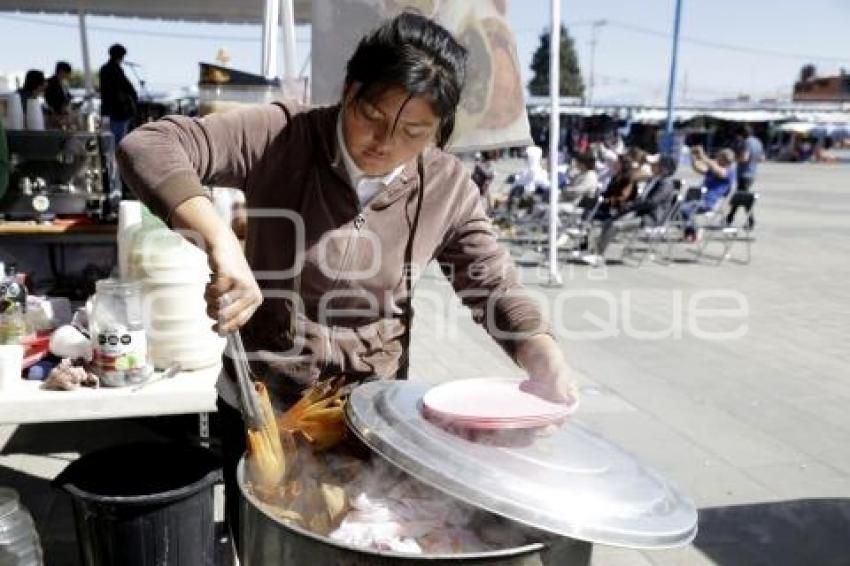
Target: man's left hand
{"points": [[549, 376]]}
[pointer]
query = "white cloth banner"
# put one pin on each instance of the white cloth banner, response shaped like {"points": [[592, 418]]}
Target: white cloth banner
{"points": [[492, 109]]}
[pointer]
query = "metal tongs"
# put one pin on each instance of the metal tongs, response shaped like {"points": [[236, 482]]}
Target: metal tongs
{"points": [[248, 398]]}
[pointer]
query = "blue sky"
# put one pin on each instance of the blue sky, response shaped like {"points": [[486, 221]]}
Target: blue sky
{"points": [[730, 46]]}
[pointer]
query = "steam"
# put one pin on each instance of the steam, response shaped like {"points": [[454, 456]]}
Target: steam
{"points": [[366, 502]]}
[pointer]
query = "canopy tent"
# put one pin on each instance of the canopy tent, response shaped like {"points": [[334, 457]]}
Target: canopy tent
{"points": [[269, 13], [657, 115], [817, 129], [210, 11]]}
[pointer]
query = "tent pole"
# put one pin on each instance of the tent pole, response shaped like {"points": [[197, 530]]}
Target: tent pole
{"points": [[271, 23], [84, 43], [554, 135], [667, 140], [288, 24]]}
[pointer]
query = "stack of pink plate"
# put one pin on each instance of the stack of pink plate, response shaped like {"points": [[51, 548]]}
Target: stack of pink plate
{"points": [[491, 404]]}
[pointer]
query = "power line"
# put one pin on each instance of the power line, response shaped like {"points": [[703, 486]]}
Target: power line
{"points": [[726, 46], [125, 31], [695, 41], [610, 80]]}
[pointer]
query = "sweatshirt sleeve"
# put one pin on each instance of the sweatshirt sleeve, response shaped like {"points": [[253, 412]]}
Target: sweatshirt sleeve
{"points": [[168, 161], [482, 273]]}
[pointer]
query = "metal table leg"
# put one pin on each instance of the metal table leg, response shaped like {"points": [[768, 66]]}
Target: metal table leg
{"points": [[204, 429]]}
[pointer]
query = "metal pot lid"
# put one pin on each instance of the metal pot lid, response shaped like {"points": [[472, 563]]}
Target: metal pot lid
{"points": [[572, 483]]}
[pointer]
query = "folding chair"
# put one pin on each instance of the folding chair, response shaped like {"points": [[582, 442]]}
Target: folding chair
{"points": [[578, 225], [702, 220], [728, 235], [646, 239]]}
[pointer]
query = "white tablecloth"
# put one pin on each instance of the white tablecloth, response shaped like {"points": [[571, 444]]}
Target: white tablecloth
{"points": [[186, 392]]}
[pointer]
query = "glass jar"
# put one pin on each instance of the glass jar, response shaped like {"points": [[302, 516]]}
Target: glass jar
{"points": [[119, 345], [19, 543], [13, 326]]}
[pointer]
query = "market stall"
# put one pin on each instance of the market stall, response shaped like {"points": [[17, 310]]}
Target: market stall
{"points": [[510, 479], [184, 393]]}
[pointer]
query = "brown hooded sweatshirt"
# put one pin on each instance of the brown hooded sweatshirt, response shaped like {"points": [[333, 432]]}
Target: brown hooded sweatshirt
{"points": [[332, 274]]}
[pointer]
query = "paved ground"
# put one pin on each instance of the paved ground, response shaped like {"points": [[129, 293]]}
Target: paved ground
{"points": [[745, 409]]}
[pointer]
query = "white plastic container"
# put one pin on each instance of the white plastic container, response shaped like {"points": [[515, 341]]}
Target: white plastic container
{"points": [[129, 223], [19, 542], [11, 361], [174, 274]]}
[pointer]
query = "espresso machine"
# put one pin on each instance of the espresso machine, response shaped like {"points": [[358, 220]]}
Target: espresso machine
{"points": [[61, 173]]}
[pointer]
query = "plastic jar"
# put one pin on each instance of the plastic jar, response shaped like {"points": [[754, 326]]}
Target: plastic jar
{"points": [[19, 543], [119, 344]]}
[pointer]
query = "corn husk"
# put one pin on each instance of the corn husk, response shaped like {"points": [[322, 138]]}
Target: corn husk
{"points": [[266, 459], [299, 486], [319, 416]]}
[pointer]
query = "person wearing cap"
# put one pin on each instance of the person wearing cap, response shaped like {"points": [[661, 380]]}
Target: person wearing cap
{"points": [[118, 97], [719, 178]]}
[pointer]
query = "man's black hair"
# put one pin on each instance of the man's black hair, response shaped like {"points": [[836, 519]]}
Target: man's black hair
{"points": [[63, 67], [32, 80], [744, 130], [413, 53], [117, 51]]}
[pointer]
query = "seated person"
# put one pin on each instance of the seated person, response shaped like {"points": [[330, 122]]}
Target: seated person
{"points": [[822, 153], [652, 206], [606, 163], [655, 201], [584, 182], [528, 182], [484, 172], [642, 166], [718, 181], [619, 192]]}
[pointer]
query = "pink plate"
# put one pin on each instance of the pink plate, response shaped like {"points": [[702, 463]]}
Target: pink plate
{"points": [[491, 403]]}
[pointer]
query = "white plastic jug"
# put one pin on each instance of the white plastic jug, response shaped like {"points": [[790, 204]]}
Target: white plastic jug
{"points": [[174, 274], [19, 542]]}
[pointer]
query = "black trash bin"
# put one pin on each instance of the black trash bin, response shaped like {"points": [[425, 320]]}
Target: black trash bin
{"points": [[144, 504]]}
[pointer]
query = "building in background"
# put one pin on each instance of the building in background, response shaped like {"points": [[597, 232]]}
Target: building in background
{"points": [[812, 88]]}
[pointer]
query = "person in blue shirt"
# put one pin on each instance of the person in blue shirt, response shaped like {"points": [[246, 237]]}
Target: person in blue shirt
{"points": [[719, 178], [749, 151]]}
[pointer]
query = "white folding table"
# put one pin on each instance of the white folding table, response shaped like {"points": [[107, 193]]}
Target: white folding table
{"points": [[186, 392]]}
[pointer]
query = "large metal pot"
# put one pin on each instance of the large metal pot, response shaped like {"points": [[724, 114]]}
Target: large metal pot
{"points": [[568, 489], [268, 541]]}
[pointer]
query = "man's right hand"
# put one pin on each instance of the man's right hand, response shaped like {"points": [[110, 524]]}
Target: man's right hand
{"points": [[232, 295]]}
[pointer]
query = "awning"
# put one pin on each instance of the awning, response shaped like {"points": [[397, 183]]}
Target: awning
{"points": [[264, 12], [836, 130], [211, 11]]}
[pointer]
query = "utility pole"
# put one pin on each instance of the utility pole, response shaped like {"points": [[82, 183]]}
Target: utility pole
{"points": [[594, 38], [667, 141], [554, 137]]}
